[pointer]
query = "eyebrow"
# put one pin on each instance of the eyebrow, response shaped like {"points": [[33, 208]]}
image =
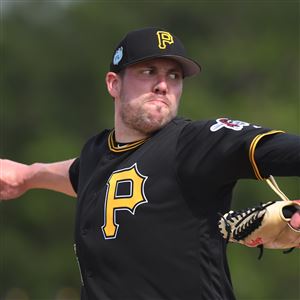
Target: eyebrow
{"points": [[172, 69]]}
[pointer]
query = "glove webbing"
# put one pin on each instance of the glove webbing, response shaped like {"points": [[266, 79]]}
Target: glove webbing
{"points": [[249, 226], [256, 220]]}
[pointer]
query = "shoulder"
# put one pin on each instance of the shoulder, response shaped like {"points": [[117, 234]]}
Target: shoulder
{"points": [[95, 142], [98, 138], [223, 125], [185, 124], [221, 130], [232, 125]]}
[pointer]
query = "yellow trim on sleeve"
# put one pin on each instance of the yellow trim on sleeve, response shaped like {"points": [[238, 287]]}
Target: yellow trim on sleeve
{"points": [[252, 151]]}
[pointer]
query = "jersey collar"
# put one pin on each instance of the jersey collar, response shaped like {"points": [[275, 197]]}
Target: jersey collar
{"points": [[116, 148]]}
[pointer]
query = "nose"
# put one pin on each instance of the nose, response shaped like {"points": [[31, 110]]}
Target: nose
{"points": [[161, 86]]}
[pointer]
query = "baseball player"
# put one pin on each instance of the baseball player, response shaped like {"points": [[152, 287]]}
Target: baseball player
{"points": [[151, 190]]}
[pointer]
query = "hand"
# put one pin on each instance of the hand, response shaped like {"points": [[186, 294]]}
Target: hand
{"points": [[13, 178]]}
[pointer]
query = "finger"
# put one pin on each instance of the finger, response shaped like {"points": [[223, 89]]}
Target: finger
{"points": [[295, 220]]}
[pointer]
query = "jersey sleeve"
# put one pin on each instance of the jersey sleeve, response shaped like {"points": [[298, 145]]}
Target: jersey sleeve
{"points": [[74, 173], [218, 150], [277, 155]]}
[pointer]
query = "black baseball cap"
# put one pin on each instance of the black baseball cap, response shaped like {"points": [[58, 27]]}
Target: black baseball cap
{"points": [[148, 43]]}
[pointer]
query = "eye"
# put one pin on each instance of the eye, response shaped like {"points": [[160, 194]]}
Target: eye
{"points": [[147, 71], [175, 75]]}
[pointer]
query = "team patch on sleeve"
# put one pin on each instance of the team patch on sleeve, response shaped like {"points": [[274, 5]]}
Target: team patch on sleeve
{"points": [[229, 124]]}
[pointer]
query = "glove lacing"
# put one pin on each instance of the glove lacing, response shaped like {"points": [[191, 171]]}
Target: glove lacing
{"points": [[239, 216]]}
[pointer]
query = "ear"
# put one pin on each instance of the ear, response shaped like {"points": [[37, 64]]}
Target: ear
{"points": [[113, 84]]}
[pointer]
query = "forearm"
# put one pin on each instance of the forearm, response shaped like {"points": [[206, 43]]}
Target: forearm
{"points": [[17, 178], [52, 176]]}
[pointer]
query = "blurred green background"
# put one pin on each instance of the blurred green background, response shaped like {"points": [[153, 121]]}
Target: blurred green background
{"points": [[54, 56]]}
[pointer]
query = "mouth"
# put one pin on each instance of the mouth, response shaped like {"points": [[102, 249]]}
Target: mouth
{"points": [[158, 101]]}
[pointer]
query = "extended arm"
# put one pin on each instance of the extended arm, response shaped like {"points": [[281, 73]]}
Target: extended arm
{"points": [[279, 155], [17, 178]]}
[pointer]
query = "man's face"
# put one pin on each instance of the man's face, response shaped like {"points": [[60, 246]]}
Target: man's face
{"points": [[149, 95]]}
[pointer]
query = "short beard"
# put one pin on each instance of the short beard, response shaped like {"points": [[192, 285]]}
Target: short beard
{"points": [[143, 121]]}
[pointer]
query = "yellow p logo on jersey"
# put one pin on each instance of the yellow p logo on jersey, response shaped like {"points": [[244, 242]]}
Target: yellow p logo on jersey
{"points": [[164, 38], [128, 199]]}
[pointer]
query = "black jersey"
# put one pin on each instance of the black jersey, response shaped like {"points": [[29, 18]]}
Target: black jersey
{"points": [[147, 213]]}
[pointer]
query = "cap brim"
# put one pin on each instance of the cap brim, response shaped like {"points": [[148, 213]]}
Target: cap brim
{"points": [[189, 66]]}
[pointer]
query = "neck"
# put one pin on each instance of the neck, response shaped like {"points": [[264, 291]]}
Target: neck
{"points": [[124, 134]]}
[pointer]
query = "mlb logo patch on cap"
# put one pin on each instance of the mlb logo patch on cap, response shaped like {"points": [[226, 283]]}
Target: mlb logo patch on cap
{"points": [[118, 56]]}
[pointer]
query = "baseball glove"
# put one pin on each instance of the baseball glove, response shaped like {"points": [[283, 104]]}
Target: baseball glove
{"points": [[266, 225]]}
